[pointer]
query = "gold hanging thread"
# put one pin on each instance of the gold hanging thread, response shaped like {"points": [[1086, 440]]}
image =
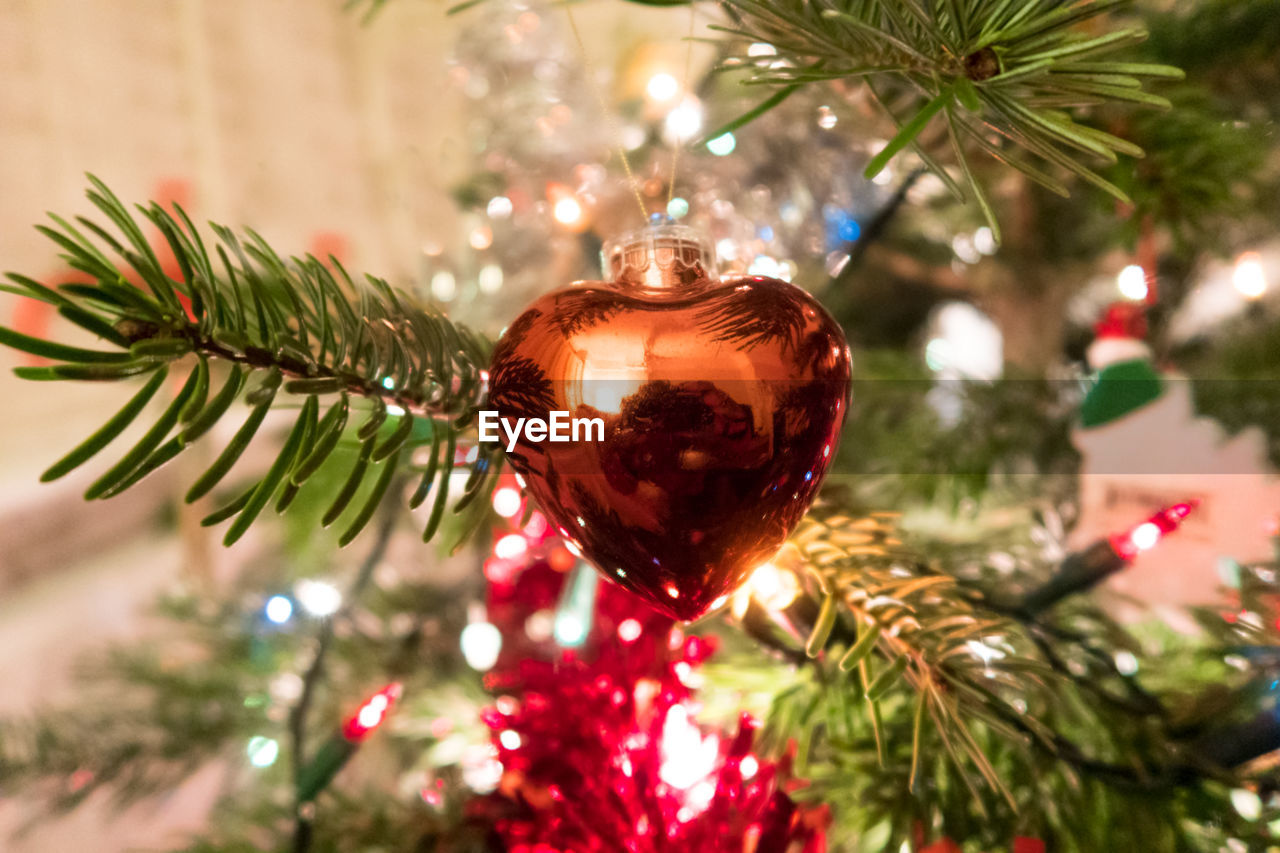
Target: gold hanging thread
{"points": [[676, 142], [614, 130]]}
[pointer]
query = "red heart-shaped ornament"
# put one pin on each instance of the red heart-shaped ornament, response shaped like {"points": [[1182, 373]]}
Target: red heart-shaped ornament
{"points": [[700, 416]]}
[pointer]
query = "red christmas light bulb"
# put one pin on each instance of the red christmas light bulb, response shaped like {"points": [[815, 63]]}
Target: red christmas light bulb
{"points": [[372, 713], [1144, 536]]}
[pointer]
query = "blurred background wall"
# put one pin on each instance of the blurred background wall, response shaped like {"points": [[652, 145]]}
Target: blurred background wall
{"points": [[281, 113]]}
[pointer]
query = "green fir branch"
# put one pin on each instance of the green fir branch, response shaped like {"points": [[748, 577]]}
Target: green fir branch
{"points": [[999, 722], [1001, 74], [295, 329]]}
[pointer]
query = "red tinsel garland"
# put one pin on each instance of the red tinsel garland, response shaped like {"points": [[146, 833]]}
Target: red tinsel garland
{"points": [[599, 747]]}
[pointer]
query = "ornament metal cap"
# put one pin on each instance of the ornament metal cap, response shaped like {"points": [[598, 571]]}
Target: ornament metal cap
{"points": [[662, 256]]}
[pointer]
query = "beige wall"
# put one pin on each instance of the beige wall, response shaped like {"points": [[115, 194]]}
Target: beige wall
{"points": [[284, 114], [281, 113]]}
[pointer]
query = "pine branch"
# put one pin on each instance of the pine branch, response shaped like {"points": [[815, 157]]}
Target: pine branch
{"points": [[874, 601], [300, 326], [996, 680], [1000, 74]]}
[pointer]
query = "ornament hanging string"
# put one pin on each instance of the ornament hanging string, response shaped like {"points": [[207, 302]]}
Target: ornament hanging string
{"points": [[676, 142], [608, 113]]}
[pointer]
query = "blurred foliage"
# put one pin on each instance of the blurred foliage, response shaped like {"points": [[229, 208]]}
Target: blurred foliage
{"points": [[301, 326], [999, 77], [1228, 45], [911, 437], [148, 715], [1063, 725], [1205, 171], [1237, 378]]}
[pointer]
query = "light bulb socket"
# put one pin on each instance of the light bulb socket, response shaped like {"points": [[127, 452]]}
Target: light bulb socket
{"points": [[1080, 571]]}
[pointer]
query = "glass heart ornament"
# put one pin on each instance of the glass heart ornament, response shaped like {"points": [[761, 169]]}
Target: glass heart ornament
{"points": [[687, 420]]}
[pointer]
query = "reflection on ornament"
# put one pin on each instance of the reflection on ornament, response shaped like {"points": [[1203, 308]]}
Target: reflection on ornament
{"points": [[762, 48], [826, 117], [1132, 282], [611, 378], [1248, 277]]}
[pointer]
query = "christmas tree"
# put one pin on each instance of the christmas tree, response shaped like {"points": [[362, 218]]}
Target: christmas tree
{"points": [[842, 569]]}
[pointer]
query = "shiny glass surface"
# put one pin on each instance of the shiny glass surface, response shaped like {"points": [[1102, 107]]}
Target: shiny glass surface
{"points": [[722, 401]]}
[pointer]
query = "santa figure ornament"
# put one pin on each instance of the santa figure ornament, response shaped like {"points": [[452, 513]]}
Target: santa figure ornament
{"points": [[704, 414], [1143, 447]]}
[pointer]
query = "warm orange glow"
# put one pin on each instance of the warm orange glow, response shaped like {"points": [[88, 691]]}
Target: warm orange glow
{"points": [[772, 588]]}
